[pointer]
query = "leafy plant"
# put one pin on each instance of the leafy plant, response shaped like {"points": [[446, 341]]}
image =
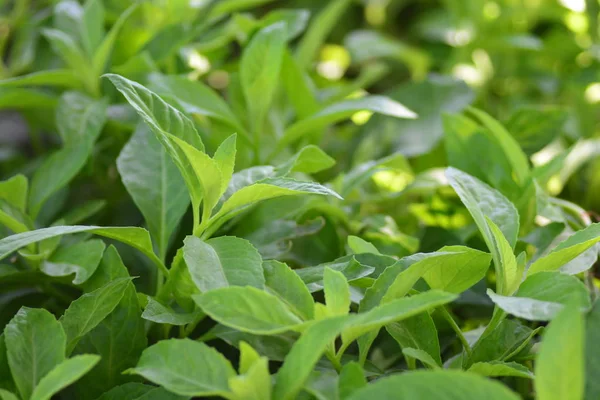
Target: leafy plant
{"points": [[259, 200]]}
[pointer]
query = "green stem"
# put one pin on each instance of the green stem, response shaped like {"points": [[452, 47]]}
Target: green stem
{"points": [[456, 328], [334, 360]]}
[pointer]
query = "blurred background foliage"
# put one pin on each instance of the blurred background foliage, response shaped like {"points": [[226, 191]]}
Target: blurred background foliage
{"points": [[531, 64]]}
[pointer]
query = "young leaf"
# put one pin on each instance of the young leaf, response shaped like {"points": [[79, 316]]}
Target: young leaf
{"points": [[259, 71], [283, 282], [36, 343], [63, 375], [352, 378], [559, 364], [205, 372], [225, 159], [440, 385], [310, 159], [567, 250], [337, 292], [247, 309], [254, 383], [90, 309], [222, 262], [155, 185], [511, 272], [92, 26], [303, 356]]}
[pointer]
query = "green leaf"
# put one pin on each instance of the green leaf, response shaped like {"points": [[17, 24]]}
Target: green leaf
{"points": [[65, 78], [119, 338], [349, 266], [305, 353], [138, 391], [439, 385], [247, 309], [509, 337], [137, 238], [358, 245], [318, 31], [393, 311], [160, 116], [265, 189], [298, 87], [79, 122], [196, 98], [352, 378], [455, 274], [498, 368], [337, 292], [542, 295], [205, 372], [92, 26], [14, 191], [310, 159], [254, 381], [63, 375], [284, 283], [341, 111], [225, 159], [6, 395], [85, 313], [559, 364], [422, 356], [510, 147], [66, 47], [418, 333], [567, 250], [35, 343], [534, 127], [80, 259], [207, 173], [222, 262], [592, 352], [260, 65], [161, 314], [105, 48], [483, 203], [155, 185], [511, 270]]}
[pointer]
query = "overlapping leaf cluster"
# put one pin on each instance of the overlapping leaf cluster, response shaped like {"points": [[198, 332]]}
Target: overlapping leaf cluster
{"points": [[164, 235]]}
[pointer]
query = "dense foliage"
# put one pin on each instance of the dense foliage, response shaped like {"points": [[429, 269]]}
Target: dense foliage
{"points": [[303, 199]]}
